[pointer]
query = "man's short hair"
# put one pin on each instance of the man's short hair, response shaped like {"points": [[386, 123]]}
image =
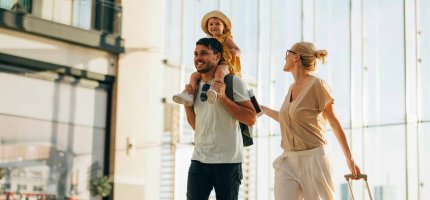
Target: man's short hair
{"points": [[212, 44]]}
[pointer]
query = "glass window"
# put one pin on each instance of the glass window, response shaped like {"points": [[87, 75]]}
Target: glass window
{"points": [[275, 151], [332, 33], [206, 6], [264, 165], [82, 14], [17, 5], [265, 50], [308, 9], [384, 61], [183, 153], [338, 166], [245, 25], [384, 161], [173, 33], [356, 101], [52, 136], [287, 26], [424, 57], [424, 162]]}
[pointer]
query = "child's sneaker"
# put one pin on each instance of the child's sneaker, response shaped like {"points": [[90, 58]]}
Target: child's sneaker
{"points": [[212, 96], [183, 98]]}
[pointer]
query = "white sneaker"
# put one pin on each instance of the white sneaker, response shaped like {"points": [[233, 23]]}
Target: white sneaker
{"points": [[212, 96], [184, 98]]}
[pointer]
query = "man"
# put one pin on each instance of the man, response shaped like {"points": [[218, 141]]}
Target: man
{"points": [[217, 158]]}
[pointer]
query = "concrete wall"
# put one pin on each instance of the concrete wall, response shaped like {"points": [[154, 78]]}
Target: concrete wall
{"points": [[138, 108]]}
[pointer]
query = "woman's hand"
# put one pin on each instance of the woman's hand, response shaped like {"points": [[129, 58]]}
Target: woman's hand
{"points": [[355, 170], [270, 112]]}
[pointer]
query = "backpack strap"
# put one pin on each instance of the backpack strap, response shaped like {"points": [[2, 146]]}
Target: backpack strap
{"points": [[246, 131], [228, 80]]}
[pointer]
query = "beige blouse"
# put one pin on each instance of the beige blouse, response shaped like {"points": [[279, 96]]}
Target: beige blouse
{"points": [[302, 122]]}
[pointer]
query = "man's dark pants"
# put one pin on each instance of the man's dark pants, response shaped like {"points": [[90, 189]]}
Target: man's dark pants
{"points": [[225, 178]]}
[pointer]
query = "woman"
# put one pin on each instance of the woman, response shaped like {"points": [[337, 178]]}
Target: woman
{"points": [[303, 171]]}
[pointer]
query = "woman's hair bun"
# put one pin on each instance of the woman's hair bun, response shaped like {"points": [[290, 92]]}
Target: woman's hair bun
{"points": [[321, 54]]}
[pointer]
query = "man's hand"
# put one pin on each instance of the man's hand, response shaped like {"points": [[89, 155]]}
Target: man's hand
{"points": [[219, 87]]}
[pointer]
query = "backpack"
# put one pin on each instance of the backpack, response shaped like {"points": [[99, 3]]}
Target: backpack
{"points": [[245, 129]]}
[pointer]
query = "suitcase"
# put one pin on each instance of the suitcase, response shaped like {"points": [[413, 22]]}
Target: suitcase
{"points": [[349, 179]]}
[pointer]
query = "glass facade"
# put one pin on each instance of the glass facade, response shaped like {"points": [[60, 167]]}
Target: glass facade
{"points": [[52, 136], [100, 15], [378, 67]]}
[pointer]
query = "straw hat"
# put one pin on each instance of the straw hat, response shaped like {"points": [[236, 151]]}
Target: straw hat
{"points": [[217, 14]]}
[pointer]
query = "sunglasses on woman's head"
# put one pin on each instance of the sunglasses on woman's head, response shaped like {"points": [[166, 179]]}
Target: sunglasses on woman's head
{"points": [[203, 95], [291, 51]]}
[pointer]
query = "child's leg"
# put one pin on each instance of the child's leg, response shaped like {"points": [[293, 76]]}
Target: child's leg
{"points": [[187, 97], [221, 71], [194, 79]]}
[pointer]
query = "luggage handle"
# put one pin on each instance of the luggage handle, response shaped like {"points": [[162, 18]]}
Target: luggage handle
{"points": [[349, 178]]}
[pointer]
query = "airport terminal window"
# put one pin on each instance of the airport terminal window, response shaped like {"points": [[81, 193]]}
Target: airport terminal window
{"points": [[332, 33], [424, 56], [245, 32], [424, 162], [204, 7], [338, 163], [356, 101], [384, 155], [385, 62], [264, 62]]}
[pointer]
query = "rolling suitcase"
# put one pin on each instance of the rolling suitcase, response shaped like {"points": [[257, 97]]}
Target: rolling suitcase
{"points": [[349, 179]]}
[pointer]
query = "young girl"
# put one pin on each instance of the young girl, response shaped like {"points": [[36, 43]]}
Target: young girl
{"points": [[218, 26]]}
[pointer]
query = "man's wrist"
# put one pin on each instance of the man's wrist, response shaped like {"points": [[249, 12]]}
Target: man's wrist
{"points": [[223, 98]]}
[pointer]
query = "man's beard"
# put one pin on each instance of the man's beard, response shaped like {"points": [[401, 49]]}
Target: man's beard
{"points": [[205, 70]]}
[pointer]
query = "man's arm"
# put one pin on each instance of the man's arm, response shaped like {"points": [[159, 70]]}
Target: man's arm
{"points": [[243, 111], [189, 110], [191, 116]]}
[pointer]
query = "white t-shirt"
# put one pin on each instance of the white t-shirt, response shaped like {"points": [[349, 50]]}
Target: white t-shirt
{"points": [[217, 136]]}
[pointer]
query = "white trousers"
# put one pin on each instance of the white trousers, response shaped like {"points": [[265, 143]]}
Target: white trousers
{"points": [[303, 175]]}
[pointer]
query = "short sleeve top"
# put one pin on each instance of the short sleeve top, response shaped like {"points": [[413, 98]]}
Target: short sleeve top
{"points": [[302, 121], [217, 136], [232, 61]]}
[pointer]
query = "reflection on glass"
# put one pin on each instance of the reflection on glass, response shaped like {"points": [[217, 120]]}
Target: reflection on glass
{"points": [[82, 14], [52, 150]]}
